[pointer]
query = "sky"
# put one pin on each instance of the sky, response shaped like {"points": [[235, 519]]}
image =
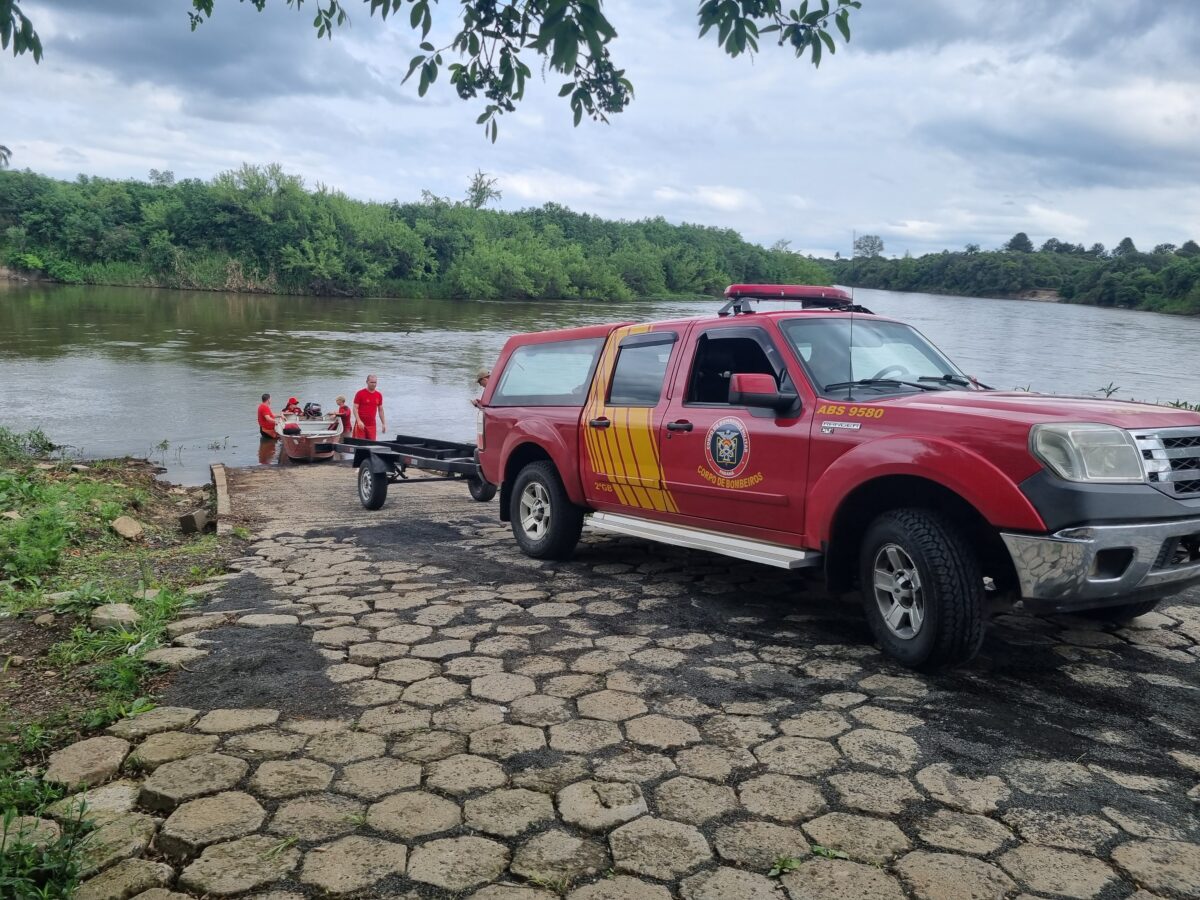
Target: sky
{"points": [[942, 123]]}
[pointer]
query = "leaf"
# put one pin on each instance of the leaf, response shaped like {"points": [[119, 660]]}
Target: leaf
{"points": [[566, 89], [843, 24], [825, 36]]}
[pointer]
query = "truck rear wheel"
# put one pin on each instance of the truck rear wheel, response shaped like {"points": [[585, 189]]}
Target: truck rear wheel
{"points": [[1122, 612], [545, 522], [922, 589], [372, 486], [481, 489]]}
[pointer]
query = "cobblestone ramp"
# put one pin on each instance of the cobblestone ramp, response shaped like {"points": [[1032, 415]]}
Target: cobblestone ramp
{"points": [[422, 712]]}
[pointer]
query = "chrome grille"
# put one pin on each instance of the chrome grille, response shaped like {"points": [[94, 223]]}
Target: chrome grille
{"points": [[1171, 459]]}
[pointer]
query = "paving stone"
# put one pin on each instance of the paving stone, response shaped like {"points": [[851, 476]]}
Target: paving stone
{"points": [[723, 883], [869, 791], [865, 839], [456, 864], [394, 720], [508, 813], [737, 731], [539, 710], [1058, 872], [600, 805], [1046, 777], [756, 845], [658, 848], [885, 719], [894, 686], [1059, 829], [1132, 781], [537, 666], [174, 783], [224, 721], [473, 666], [963, 832], [408, 671], [1167, 867], [550, 779], [29, 831], [504, 741], [405, 634], [636, 766], [1144, 825], [661, 732], [693, 801], [102, 803], [426, 746], [121, 837], [974, 795], [371, 692], [467, 716], [312, 727], [376, 653], [267, 620], [435, 691], [780, 797], [611, 706], [797, 756], [836, 879], [945, 876], [87, 763], [209, 820], [464, 774], [345, 746], [164, 894], [224, 870], [568, 686], [168, 746], [375, 778], [817, 723], [289, 777], [555, 856], [622, 887], [441, 649], [174, 657], [161, 718], [316, 817], [412, 814], [125, 879], [843, 699], [341, 636], [267, 744], [884, 750], [714, 763], [511, 891], [352, 864], [584, 736], [502, 687]]}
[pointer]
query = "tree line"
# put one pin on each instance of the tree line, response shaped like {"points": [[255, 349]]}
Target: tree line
{"points": [[1166, 279], [259, 228]]}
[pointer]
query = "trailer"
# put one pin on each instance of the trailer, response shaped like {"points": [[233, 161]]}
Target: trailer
{"points": [[383, 463]]}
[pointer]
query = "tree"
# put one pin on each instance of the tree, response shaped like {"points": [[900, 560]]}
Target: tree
{"points": [[869, 245], [1164, 249], [1097, 250], [482, 190], [971, 248], [571, 37], [1019, 243], [1125, 248], [5, 156], [1189, 248]]}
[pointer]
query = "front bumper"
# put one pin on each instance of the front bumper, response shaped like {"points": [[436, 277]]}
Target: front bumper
{"points": [[1093, 566]]}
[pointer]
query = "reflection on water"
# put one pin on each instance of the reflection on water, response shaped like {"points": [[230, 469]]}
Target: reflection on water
{"points": [[177, 375]]}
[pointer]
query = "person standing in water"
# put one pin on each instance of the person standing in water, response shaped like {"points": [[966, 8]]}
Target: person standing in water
{"points": [[266, 419]]}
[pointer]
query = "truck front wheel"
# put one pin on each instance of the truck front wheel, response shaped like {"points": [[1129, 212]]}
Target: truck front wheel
{"points": [[922, 589], [545, 522]]}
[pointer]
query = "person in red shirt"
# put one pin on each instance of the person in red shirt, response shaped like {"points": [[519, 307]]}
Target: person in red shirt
{"points": [[266, 419], [343, 413], [368, 403], [293, 407]]}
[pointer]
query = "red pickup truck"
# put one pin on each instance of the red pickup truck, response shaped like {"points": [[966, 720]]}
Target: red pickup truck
{"points": [[825, 436]]}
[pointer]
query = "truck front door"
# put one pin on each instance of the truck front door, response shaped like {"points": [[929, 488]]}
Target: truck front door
{"points": [[731, 467]]}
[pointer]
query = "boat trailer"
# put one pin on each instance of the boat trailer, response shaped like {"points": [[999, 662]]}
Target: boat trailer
{"points": [[383, 463]]}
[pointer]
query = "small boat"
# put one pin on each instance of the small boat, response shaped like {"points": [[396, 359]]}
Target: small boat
{"points": [[308, 439]]}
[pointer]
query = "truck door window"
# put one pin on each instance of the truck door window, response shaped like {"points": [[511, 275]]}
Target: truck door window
{"points": [[550, 374], [719, 358], [640, 370]]}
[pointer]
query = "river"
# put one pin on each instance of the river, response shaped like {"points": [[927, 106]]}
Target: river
{"points": [[176, 375]]}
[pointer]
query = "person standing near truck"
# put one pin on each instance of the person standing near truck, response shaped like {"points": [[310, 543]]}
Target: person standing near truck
{"points": [[368, 403]]}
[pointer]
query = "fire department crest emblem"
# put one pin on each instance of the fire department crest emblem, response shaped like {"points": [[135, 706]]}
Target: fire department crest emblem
{"points": [[728, 447]]}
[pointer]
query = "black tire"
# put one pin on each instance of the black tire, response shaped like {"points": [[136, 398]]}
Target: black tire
{"points": [[372, 486], [1122, 612], [948, 589], [550, 526], [481, 489]]}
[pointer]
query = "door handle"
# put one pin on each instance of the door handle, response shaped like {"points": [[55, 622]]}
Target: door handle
{"points": [[681, 425], [602, 422]]}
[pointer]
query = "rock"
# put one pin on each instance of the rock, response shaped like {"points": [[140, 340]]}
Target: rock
{"points": [[869, 791], [259, 745], [375, 778], [1046, 777], [723, 883], [611, 706], [99, 805], [15, 662], [1057, 829], [121, 837], [224, 721], [510, 892], [193, 522], [620, 888], [504, 741], [79, 468], [963, 833], [87, 763], [114, 615], [128, 528], [502, 687], [944, 876], [345, 746], [12, 515], [508, 813], [782, 798], [819, 724], [836, 879], [437, 691], [209, 820], [863, 838], [412, 814], [176, 782], [45, 620], [30, 831], [557, 856], [661, 732], [551, 779], [267, 620], [352, 864], [127, 878], [584, 736], [316, 817], [797, 756], [658, 848], [1166, 867], [539, 710], [691, 800], [161, 718], [391, 721], [1049, 871], [465, 774], [287, 778], [238, 866], [164, 894], [175, 657], [456, 864], [636, 766], [885, 750], [192, 624], [599, 805], [714, 763], [973, 795], [427, 746], [756, 845]]}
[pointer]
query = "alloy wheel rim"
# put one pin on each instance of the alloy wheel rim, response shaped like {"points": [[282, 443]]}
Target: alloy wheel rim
{"points": [[535, 510], [898, 592]]}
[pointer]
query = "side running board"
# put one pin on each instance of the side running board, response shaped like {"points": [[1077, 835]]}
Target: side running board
{"points": [[698, 539]]}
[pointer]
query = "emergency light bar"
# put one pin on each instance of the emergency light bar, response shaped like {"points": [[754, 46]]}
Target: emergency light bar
{"points": [[810, 296]]}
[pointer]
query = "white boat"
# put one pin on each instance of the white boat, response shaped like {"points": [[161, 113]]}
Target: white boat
{"points": [[308, 439]]}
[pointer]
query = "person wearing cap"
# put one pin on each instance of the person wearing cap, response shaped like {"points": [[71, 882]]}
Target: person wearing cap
{"points": [[481, 379], [266, 419], [293, 407]]}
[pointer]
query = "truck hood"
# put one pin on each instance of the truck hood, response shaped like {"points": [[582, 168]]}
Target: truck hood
{"points": [[1023, 407]]}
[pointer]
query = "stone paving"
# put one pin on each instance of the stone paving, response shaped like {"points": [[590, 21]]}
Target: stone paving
{"points": [[638, 723]]}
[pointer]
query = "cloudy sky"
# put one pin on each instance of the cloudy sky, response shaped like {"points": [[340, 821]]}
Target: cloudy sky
{"points": [[943, 122]]}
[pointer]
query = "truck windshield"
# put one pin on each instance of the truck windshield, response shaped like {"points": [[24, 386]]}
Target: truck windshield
{"points": [[877, 355]]}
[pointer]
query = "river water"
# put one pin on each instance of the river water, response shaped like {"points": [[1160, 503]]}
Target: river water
{"points": [[176, 375]]}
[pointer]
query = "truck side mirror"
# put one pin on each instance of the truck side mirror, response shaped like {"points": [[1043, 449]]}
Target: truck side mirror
{"points": [[753, 389]]}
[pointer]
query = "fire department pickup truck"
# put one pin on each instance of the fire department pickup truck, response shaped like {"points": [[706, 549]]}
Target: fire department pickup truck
{"points": [[825, 436]]}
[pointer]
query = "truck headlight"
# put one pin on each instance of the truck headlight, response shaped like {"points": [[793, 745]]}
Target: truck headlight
{"points": [[1087, 452]]}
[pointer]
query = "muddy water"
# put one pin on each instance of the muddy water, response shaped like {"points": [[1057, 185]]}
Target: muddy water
{"points": [[177, 375]]}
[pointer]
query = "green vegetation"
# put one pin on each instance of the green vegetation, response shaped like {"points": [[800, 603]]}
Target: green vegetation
{"points": [[1164, 280], [260, 229]]}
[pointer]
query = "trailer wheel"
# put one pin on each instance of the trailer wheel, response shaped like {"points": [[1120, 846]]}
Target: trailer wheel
{"points": [[1122, 612], [922, 589], [481, 489], [545, 522], [372, 486]]}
